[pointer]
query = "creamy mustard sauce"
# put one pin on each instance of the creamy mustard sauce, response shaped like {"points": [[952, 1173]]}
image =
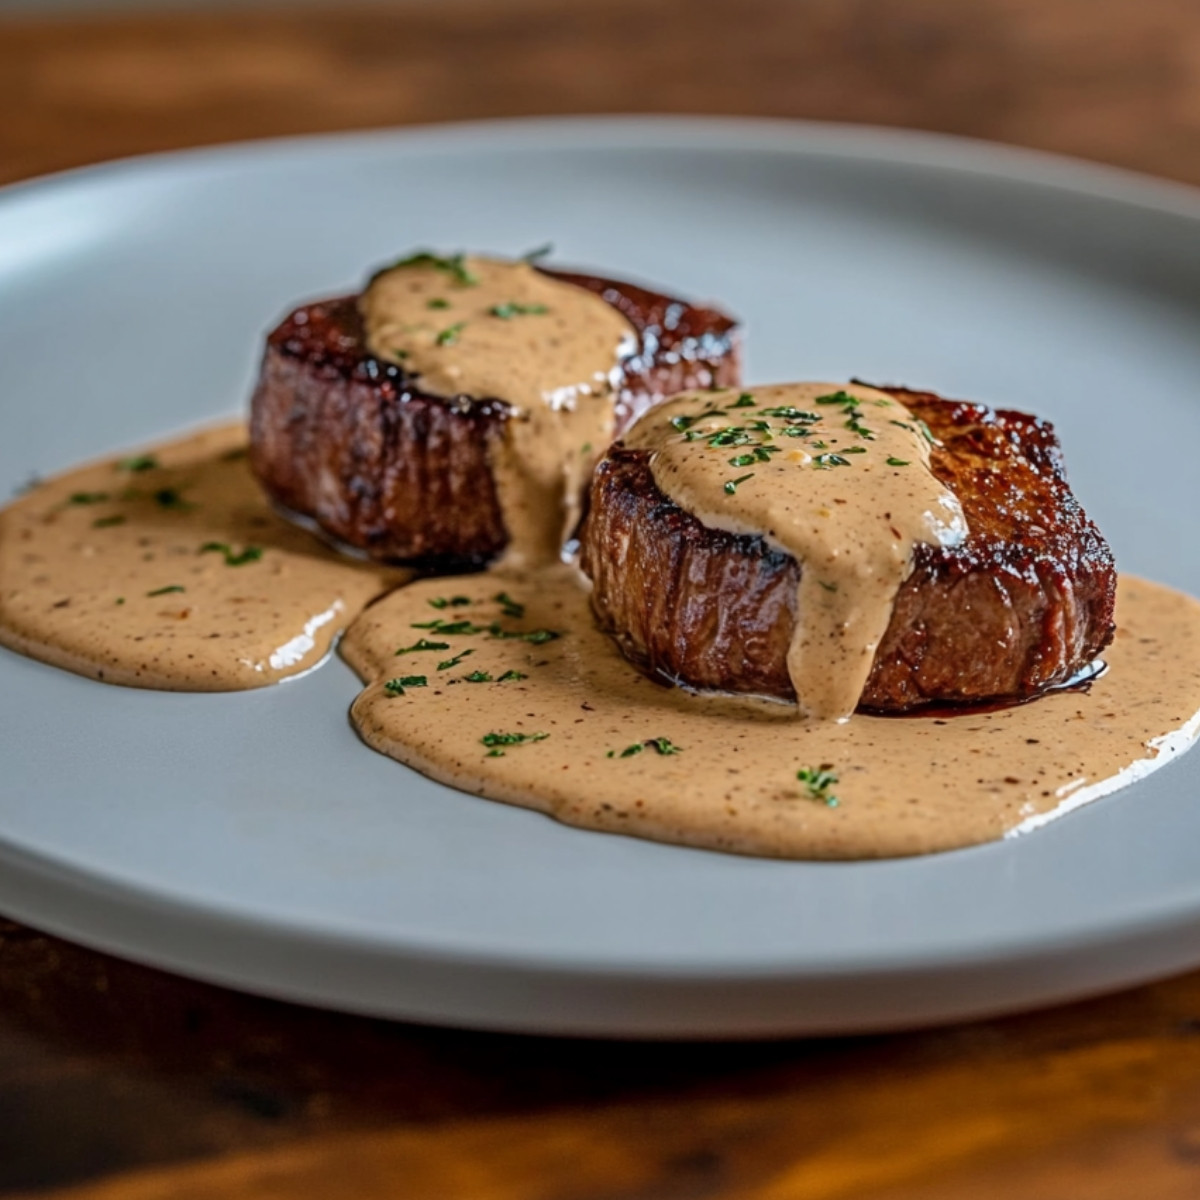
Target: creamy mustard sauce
{"points": [[501, 685], [499, 330], [168, 569], [837, 476]]}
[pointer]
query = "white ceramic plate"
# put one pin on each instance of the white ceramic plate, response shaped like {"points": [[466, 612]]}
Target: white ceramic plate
{"points": [[251, 840]]}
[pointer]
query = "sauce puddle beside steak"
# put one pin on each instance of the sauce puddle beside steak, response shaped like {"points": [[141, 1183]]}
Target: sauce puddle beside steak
{"points": [[827, 544]]}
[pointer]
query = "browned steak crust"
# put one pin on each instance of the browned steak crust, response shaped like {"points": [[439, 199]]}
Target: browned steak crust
{"points": [[351, 442], [1021, 606]]}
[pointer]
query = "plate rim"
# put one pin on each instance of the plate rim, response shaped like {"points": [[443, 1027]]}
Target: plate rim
{"points": [[869, 144]]}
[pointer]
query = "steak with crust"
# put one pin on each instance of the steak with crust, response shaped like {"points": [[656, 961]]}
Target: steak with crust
{"points": [[351, 443], [1022, 605]]}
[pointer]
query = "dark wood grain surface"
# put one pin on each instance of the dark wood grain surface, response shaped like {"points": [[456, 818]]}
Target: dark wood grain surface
{"points": [[118, 1081]]}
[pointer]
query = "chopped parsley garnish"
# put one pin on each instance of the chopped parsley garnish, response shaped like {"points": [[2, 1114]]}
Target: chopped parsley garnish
{"points": [[449, 335], [825, 461], [172, 498], [535, 637], [108, 522], [731, 485], [453, 264], [397, 687], [450, 628], [438, 302], [423, 644], [495, 740], [142, 462], [662, 745], [742, 460], [921, 428], [119, 600], [532, 256], [745, 400], [509, 606], [683, 422], [478, 677], [163, 591], [512, 308], [854, 450], [817, 782], [87, 497], [233, 558], [926, 432], [893, 461], [840, 397], [855, 425], [509, 676], [449, 602], [450, 663], [787, 412]]}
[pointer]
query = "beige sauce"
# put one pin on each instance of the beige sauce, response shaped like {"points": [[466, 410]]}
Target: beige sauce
{"points": [[837, 476], [104, 571], [563, 729], [504, 331]]}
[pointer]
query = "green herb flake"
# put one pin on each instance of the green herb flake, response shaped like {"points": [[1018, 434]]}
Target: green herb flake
{"points": [[663, 745], [817, 782], [745, 400], [742, 460], [119, 600], [449, 601], [532, 256], [825, 461], [454, 265], [450, 663], [683, 422], [495, 740], [512, 308], [397, 687], [829, 587], [438, 302], [893, 461], [509, 606], [511, 676], [535, 637], [446, 628], [787, 412], [423, 644], [449, 335], [731, 485], [232, 557], [660, 745], [87, 497], [142, 462], [163, 591], [478, 677], [108, 522], [840, 397]]}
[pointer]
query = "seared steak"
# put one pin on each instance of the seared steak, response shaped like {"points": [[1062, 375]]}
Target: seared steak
{"points": [[352, 443], [1022, 605]]}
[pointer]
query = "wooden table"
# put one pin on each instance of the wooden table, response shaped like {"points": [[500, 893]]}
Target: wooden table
{"points": [[116, 1081]]}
